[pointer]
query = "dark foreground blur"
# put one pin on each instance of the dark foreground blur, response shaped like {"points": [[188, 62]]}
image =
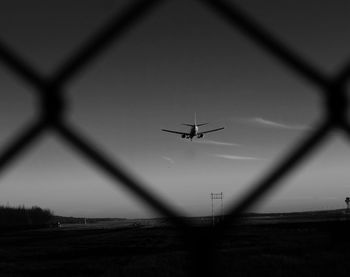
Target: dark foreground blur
{"points": [[302, 244]]}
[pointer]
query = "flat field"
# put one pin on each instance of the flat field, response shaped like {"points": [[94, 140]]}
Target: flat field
{"points": [[299, 244]]}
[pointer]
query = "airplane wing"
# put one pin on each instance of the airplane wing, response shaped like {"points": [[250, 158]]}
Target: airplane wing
{"points": [[175, 132], [214, 130]]}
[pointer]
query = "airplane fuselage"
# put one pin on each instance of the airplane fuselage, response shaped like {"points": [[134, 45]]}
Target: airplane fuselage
{"points": [[194, 131]]}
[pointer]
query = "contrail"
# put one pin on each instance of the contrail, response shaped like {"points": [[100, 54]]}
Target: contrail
{"points": [[215, 142], [235, 157], [268, 123], [168, 159]]}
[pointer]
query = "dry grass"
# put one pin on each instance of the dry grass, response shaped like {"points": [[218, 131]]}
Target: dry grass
{"points": [[304, 248]]}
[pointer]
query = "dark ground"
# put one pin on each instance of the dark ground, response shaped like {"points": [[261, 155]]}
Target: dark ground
{"points": [[304, 244]]}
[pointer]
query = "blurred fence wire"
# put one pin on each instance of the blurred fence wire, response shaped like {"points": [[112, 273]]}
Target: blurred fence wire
{"points": [[201, 242]]}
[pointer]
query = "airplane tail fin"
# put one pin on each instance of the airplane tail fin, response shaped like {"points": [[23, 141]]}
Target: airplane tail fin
{"points": [[195, 121]]}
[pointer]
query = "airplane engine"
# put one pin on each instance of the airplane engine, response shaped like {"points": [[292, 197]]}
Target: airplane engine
{"points": [[183, 136], [200, 136]]}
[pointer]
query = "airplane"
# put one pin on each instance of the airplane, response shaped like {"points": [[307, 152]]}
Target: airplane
{"points": [[194, 131]]}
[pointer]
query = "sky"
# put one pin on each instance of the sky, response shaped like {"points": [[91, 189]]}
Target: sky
{"points": [[179, 60]]}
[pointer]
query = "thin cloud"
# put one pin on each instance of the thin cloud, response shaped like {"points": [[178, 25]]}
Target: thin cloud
{"points": [[215, 142], [170, 160], [235, 157], [273, 124]]}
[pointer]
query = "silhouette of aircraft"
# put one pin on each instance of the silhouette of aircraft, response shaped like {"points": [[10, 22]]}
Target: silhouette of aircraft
{"points": [[194, 131]]}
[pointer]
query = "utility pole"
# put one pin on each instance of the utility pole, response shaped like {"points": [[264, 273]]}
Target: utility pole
{"points": [[217, 196]]}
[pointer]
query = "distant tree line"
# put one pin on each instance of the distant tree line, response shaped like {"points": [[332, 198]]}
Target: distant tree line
{"points": [[21, 216]]}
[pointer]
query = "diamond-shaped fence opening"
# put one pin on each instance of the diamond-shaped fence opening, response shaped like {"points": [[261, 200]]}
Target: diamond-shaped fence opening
{"points": [[13, 99], [52, 117]]}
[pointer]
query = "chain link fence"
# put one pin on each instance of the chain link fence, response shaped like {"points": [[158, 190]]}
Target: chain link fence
{"points": [[51, 117]]}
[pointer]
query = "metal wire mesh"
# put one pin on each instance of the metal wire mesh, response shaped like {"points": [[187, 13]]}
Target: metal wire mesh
{"points": [[51, 117]]}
